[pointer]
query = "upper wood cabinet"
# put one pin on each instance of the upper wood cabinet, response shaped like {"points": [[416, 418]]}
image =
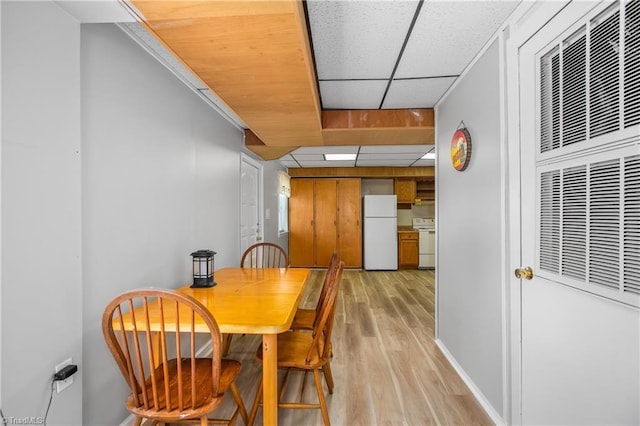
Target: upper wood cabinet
{"points": [[324, 216], [405, 190], [425, 189]]}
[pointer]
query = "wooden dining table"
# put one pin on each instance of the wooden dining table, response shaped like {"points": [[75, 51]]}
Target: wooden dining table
{"points": [[255, 301]]}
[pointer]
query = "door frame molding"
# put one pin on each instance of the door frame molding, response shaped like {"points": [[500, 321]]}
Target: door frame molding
{"points": [[244, 158]]}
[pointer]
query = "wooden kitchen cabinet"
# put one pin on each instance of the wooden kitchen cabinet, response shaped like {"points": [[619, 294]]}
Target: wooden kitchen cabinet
{"points": [[301, 226], [405, 190], [326, 220], [425, 189], [350, 222], [408, 250], [324, 216]]}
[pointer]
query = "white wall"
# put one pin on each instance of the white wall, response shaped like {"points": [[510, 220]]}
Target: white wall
{"points": [[41, 234], [469, 269]]}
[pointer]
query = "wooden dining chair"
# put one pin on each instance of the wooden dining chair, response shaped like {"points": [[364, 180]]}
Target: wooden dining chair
{"points": [[308, 352], [259, 255], [264, 255], [151, 335], [305, 319]]}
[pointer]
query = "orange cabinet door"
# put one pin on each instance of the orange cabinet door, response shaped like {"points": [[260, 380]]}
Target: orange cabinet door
{"points": [[350, 222], [406, 190], [408, 250], [301, 229], [326, 237]]}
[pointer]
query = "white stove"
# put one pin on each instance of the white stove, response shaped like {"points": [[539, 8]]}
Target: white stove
{"points": [[427, 241]]}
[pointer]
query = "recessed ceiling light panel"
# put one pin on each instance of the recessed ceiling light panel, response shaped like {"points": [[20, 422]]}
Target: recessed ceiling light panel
{"points": [[339, 157]]}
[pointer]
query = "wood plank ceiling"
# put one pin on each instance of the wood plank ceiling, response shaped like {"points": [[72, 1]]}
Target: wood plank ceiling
{"points": [[256, 56]]}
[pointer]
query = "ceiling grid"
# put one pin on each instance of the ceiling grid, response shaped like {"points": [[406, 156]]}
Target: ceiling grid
{"points": [[370, 59]]}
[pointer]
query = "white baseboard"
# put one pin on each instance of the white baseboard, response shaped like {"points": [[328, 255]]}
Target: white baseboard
{"points": [[204, 351], [128, 421], [482, 400]]}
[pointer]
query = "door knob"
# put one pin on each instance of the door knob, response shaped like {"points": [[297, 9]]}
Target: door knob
{"points": [[524, 273]]}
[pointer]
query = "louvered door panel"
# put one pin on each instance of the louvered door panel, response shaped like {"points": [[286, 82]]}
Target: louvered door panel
{"points": [[589, 85], [604, 224], [550, 101], [604, 79], [588, 163], [574, 222], [632, 64], [574, 94], [631, 276], [550, 221]]}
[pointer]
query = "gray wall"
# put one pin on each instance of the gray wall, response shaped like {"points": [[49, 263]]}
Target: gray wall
{"points": [[160, 178], [41, 235], [469, 229], [112, 173]]}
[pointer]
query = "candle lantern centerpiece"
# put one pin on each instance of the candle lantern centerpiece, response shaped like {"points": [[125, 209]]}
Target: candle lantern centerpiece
{"points": [[203, 268]]}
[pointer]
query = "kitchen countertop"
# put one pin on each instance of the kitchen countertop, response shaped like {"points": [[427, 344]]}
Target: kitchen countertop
{"points": [[406, 229]]}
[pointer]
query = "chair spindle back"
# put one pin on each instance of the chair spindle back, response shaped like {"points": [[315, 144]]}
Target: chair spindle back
{"points": [[143, 330], [264, 255]]}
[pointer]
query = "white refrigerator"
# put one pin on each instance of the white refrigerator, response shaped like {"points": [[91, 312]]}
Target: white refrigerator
{"points": [[380, 232]]}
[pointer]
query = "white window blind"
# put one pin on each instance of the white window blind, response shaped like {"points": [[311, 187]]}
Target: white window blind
{"points": [[589, 155]]}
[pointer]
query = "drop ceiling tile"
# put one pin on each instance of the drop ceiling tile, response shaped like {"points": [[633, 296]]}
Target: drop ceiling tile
{"points": [[289, 164], [308, 157], [339, 163], [448, 34], [416, 93], [352, 94], [395, 148], [424, 163], [358, 39], [326, 150], [390, 156], [382, 162]]}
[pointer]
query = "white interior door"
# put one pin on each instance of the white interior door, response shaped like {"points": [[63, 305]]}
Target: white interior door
{"points": [[250, 202], [580, 330]]}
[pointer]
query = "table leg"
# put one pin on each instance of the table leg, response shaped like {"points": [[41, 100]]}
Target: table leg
{"points": [[270, 379]]}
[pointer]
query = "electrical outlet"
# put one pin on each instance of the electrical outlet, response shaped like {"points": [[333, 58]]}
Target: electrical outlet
{"points": [[63, 384]]}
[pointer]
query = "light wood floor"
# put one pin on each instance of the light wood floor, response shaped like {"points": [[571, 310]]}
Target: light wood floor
{"points": [[387, 367]]}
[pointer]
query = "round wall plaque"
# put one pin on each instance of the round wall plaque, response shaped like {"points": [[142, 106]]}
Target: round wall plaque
{"points": [[461, 149]]}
